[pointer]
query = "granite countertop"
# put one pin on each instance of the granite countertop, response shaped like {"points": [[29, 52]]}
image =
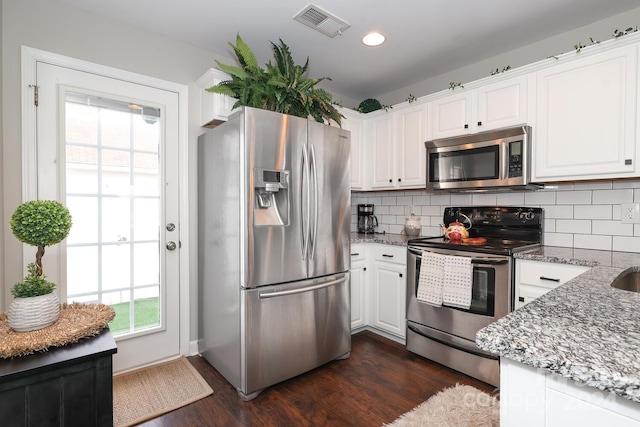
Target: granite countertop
{"points": [[386, 239], [585, 329]]}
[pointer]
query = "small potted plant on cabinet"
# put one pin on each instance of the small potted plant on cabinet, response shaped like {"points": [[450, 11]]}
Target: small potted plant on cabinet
{"points": [[38, 223]]}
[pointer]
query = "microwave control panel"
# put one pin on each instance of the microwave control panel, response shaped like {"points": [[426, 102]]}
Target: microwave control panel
{"points": [[515, 159]]}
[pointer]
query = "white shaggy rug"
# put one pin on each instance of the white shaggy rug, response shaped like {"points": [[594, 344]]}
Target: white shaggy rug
{"points": [[461, 405]]}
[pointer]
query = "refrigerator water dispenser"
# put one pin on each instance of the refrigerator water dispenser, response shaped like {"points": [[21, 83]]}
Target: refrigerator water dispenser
{"points": [[271, 188]]}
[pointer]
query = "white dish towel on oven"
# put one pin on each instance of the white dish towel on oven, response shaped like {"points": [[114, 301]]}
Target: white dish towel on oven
{"points": [[458, 282], [431, 278]]}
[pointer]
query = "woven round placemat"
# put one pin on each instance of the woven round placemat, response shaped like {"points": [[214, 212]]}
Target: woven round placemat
{"points": [[76, 321]]}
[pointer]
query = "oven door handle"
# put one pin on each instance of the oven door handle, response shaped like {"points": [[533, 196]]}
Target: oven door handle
{"points": [[489, 261], [485, 261]]}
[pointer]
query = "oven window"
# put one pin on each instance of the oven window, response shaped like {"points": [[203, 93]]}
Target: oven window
{"points": [[465, 165], [483, 291]]}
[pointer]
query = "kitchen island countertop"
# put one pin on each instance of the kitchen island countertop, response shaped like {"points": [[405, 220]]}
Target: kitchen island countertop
{"points": [[584, 329]]}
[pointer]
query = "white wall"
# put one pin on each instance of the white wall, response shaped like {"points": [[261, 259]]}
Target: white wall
{"points": [[601, 30], [577, 215]]}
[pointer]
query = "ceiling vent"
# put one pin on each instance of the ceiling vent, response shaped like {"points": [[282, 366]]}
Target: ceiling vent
{"points": [[321, 20]]}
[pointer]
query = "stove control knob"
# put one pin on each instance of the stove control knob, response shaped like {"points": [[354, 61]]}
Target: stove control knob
{"points": [[530, 215]]}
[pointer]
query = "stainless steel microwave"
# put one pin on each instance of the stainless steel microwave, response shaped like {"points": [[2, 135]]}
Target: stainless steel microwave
{"points": [[488, 161]]}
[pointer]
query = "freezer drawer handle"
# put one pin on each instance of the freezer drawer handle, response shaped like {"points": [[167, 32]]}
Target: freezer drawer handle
{"points": [[302, 289]]}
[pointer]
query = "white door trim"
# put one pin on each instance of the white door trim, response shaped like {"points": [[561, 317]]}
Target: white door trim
{"points": [[30, 57]]}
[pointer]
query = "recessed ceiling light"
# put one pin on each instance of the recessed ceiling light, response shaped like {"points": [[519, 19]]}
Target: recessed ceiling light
{"points": [[373, 39]]}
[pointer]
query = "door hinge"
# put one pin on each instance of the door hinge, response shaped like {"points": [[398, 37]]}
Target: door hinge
{"points": [[35, 94]]}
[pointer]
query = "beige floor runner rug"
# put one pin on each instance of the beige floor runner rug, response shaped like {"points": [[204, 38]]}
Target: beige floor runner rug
{"points": [[461, 406], [150, 392]]}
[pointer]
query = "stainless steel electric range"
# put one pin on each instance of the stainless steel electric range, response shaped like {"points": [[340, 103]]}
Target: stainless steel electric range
{"points": [[447, 334]]}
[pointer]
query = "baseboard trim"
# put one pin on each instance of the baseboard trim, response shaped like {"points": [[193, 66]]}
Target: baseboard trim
{"points": [[380, 332], [193, 348]]}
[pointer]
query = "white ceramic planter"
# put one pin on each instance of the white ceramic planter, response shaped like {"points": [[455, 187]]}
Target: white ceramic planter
{"points": [[33, 313]]}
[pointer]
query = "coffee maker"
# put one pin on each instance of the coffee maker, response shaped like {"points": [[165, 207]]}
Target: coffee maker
{"points": [[367, 221]]}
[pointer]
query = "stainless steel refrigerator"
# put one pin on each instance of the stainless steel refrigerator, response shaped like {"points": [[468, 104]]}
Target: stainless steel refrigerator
{"points": [[274, 208]]}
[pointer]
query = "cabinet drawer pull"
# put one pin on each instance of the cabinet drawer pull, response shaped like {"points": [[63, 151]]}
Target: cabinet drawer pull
{"points": [[549, 279], [356, 254], [387, 256]]}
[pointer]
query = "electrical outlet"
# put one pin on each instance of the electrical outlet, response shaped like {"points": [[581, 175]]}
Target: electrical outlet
{"points": [[630, 213]]}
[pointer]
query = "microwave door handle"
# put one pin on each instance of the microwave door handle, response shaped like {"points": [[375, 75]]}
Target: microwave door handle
{"points": [[504, 160]]}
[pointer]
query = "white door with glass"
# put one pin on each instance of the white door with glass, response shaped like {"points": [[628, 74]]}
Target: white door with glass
{"points": [[108, 150]]}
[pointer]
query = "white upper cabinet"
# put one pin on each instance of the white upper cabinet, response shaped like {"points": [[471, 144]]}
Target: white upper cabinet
{"points": [[214, 109], [502, 104], [411, 131], [451, 115], [586, 118], [380, 137], [397, 155], [354, 123], [491, 106]]}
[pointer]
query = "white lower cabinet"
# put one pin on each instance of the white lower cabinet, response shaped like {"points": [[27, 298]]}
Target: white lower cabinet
{"points": [[388, 299], [531, 397], [536, 278], [378, 289], [358, 286]]}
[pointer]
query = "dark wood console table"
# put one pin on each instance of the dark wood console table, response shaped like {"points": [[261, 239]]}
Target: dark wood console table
{"points": [[66, 386]]}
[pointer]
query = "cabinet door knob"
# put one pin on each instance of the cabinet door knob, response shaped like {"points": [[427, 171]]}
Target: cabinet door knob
{"points": [[521, 299], [400, 274], [466, 126], [479, 123], [390, 180], [399, 179]]}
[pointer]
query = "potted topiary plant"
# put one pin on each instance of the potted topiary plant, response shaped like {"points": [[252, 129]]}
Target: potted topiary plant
{"points": [[282, 87], [38, 223]]}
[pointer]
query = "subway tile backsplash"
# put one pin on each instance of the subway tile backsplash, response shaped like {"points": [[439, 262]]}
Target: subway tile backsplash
{"points": [[579, 215]]}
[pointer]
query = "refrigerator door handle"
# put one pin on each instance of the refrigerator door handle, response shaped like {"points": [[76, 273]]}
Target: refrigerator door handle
{"points": [[304, 223], [301, 289], [315, 197]]}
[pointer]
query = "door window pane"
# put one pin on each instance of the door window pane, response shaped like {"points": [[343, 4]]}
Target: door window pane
{"points": [[113, 192]]}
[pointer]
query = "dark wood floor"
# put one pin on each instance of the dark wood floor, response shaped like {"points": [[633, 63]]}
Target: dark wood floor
{"points": [[379, 382]]}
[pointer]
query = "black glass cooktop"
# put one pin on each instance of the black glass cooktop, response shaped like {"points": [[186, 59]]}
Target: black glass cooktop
{"points": [[492, 229]]}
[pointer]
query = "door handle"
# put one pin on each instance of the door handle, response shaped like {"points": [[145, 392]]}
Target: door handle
{"points": [[314, 174], [263, 295], [171, 246], [304, 221]]}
